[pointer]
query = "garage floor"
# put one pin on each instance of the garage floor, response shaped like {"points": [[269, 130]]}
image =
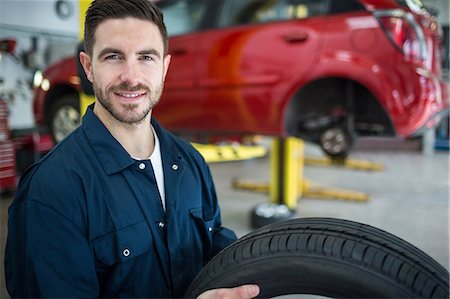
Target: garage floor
{"points": [[410, 198]]}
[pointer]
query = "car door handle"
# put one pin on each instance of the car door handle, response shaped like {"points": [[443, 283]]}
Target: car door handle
{"points": [[295, 37]]}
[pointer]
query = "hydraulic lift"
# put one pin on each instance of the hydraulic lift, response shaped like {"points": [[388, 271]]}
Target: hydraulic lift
{"points": [[287, 183]]}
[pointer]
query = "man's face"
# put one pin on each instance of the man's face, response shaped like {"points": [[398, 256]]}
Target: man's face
{"points": [[127, 68]]}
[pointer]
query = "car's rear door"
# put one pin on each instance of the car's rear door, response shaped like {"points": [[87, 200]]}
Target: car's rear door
{"points": [[183, 19], [259, 51]]}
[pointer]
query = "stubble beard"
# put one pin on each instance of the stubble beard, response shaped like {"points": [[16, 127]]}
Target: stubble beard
{"points": [[127, 113]]}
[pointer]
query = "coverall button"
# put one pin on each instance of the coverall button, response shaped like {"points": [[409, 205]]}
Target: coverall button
{"points": [[141, 166], [210, 229], [126, 252], [175, 167], [161, 224]]}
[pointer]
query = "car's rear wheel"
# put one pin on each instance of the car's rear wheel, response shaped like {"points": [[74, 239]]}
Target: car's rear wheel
{"points": [[64, 116], [327, 257], [336, 141]]}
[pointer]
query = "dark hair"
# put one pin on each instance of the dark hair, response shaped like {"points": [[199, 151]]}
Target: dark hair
{"points": [[102, 10]]}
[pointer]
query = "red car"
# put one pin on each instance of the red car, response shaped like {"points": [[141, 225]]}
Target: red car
{"points": [[322, 70]]}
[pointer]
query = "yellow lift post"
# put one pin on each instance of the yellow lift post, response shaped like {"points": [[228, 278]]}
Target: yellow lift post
{"points": [[287, 183], [85, 99]]}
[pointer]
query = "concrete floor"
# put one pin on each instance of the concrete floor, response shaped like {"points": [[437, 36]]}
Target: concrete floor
{"points": [[410, 198]]}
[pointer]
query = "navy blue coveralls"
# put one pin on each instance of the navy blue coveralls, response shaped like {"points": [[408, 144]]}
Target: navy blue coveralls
{"points": [[87, 220]]}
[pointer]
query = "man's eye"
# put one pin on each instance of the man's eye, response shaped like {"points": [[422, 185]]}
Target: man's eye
{"points": [[112, 57], [147, 57]]}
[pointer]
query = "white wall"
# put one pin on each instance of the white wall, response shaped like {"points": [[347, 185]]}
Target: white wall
{"points": [[39, 16], [442, 6], [56, 37]]}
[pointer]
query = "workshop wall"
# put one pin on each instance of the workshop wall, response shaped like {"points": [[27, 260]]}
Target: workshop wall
{"points": [[45, 31]]}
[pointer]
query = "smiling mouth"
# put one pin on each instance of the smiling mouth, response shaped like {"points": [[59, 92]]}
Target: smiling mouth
{"points": [[130, 95]]}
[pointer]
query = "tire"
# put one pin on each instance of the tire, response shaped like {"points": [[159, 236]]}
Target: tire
{"points": [[64, 116], [336, 142], [268, 213], [328, 257]]}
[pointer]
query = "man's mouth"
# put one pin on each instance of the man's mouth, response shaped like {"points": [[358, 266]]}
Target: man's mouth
{"points": [[130, 95]]}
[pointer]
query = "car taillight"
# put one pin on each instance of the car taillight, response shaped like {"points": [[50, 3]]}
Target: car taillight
{"points": [[404, 32]]}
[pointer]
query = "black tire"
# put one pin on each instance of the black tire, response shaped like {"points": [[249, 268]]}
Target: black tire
{"points": [[336, 142], [64, 116], [267, 213], [328, 257]]}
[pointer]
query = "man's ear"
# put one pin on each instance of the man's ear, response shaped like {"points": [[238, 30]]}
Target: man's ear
{"points": [[86, 62], [166, 65]]}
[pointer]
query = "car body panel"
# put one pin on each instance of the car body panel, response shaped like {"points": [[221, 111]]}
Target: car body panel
{"points": [[234, 76], [250, 78], [61, 75]]}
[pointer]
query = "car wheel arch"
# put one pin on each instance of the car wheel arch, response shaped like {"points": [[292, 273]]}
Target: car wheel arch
{"points": [[338, 106], [57, 92], [329, 93]]}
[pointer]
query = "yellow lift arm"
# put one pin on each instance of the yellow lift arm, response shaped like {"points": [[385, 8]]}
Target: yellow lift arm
{"points": [[287, 183], [229, 152]]}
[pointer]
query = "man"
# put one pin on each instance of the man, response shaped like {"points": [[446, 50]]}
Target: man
{"points": [[120, 208]]}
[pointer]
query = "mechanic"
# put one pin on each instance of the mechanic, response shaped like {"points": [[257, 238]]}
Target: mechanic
{"points": [[121, 207]]}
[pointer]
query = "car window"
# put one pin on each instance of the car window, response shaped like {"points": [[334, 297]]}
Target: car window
{"points": [[340, 6], [182, 16], [262, 11]]}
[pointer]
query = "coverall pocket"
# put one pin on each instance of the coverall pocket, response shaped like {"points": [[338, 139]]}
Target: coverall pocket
{"points": [[202, 231], [123, 245]]}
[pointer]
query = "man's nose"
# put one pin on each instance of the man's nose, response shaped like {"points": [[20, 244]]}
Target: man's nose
{"points": [[130, 73]]}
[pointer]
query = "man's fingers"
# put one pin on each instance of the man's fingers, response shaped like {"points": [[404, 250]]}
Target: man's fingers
{"points": [[241, 292], [248, 291]]}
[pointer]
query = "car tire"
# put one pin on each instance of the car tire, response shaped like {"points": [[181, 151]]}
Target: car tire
{"points": [[268, 213], [64, 116], [323, 256], [336, 141]]}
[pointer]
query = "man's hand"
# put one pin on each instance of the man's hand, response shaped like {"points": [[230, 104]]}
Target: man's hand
{"points": [[246, 291]]}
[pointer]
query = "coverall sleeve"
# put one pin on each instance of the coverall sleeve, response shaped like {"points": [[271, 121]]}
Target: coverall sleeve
{"points": [[47, 255], [222, 236]]}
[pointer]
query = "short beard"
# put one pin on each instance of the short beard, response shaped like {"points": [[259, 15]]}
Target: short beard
{"points": [[126, 116]]}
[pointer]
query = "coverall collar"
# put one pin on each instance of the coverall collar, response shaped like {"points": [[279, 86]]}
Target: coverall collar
{"points": [[113, 157]]}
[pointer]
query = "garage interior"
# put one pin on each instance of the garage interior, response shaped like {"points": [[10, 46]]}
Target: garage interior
{"points": [[414, 206], [408, 197]]}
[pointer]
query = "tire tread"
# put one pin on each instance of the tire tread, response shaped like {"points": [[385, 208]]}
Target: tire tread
{"points": [[358, 244]]}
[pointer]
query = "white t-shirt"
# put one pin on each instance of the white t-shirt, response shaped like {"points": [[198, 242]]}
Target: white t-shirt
{"points": [[155, 159]]}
